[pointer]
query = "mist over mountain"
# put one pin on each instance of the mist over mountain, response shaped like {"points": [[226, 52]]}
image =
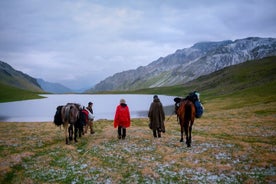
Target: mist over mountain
{"points": [[53, 87], [190, 63]]}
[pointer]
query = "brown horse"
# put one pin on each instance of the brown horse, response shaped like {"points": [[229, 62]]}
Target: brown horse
{"points": [[68, 115], [185, 111]]}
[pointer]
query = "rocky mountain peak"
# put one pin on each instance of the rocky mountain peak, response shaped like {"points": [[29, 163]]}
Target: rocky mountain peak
{"points": [[190, 63]]}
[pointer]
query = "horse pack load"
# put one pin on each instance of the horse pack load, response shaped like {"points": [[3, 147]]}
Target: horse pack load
{"points": [[199, 109], [58, 117], [198, 106]]}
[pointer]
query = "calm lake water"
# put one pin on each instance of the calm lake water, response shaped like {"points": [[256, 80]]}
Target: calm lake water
{"points": [[104, 106]]}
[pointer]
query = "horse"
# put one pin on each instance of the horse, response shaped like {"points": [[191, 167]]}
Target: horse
{"points": [[185, 111], [68, 115]]}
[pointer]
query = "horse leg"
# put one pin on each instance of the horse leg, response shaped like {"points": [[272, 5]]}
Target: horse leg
{"points": [[80, 129], [70, 130], [191, 134], [186, 128], [65, 126], [189, 140], [182, 130], [76, 133]]}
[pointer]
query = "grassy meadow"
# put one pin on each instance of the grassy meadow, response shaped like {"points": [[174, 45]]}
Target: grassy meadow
{"points": [[9, 93], [233, 142], [230, 145]]}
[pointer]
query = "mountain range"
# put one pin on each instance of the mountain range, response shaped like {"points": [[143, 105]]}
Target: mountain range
{"points": [[178, 68], [11, 77], [189, 63], [53, 87]]}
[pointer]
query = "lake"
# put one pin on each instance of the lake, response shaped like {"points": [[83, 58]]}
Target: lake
{"points": [[104, 106]]}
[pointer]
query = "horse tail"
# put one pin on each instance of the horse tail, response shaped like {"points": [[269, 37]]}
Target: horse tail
{"points": [[73, 114], [67, 113], [188, 111]]}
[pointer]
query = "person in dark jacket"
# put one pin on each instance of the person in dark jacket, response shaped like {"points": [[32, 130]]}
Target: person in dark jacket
{"points": [[122, 119], [157, 117]]}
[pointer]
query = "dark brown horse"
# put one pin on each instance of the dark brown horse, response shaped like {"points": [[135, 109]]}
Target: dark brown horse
{"points": [[68, 116], [185, 111]]}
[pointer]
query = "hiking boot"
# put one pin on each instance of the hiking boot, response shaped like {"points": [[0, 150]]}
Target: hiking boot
{"points": [[154, 134], [92, 132], [119, 136]]}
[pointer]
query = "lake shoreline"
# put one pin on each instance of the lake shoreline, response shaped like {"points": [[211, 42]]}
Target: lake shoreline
{"points": [[104, 106]]}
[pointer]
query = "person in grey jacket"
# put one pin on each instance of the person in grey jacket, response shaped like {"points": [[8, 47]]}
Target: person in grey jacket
{"points": [[157, 117]]}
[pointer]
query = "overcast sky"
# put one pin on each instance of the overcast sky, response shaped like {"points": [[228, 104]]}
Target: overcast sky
{"points": [[78, 43]]}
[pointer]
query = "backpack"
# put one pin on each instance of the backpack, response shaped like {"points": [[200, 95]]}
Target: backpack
{"points": [[199, 109], [198, 106]]}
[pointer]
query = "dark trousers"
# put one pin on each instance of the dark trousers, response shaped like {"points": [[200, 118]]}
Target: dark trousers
{"points": [[156, 132], [121, 132]]}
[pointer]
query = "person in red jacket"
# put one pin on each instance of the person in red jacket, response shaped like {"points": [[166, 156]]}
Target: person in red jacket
{"points": [[122, 119]]}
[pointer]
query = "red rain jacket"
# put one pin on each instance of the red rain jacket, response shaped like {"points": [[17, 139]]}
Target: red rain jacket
{"points": [[86, 115], [122, 116]]}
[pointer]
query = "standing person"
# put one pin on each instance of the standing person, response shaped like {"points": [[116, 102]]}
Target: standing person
{"points": [[122, 119], [91, 119], [157, 117]]}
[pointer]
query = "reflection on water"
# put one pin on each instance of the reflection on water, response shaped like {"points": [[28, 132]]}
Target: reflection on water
{"points": [[104, 107]]}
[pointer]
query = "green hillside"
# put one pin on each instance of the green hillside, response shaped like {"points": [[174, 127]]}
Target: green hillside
{"points": [[9, 93], [250, 81], [11, 77]]}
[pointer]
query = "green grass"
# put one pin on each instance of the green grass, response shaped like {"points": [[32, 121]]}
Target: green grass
{"points": [[9, 93], [228, 147]]}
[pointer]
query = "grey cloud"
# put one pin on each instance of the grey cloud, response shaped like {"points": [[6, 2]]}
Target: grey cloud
{"points": [[99, 38]]}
